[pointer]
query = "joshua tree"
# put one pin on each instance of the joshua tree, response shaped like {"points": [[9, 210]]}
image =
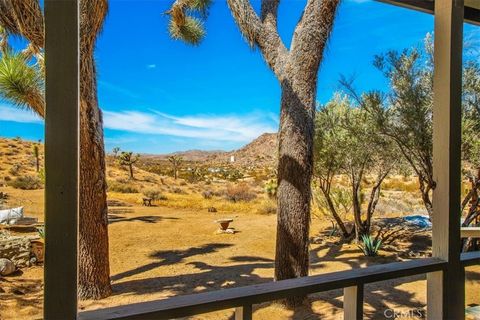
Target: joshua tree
{"points": [[36, 154], [115, 151], [296, 69], [25, 89], [128, 159], [176, 161]]}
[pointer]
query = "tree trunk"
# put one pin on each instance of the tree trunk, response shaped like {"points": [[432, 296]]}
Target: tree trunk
{"points": [[333, 210], [130, 167], [294, 178], [94, 269], [425, 188]]}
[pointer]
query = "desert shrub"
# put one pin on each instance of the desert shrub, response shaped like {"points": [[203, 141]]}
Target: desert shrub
{"points": [[208, 194], [370, 246], [15, 169], [122, 180], [268, 206], [122, 187], [183, 183], [150, 179], [178, 190], [26, 183], [401, 185], [239, 192], [7, 178], [154, 194]]}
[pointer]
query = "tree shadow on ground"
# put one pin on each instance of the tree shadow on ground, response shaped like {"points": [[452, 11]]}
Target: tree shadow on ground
{"points": [[171, 257], [208, 278], [113, 218], [24, 294]]}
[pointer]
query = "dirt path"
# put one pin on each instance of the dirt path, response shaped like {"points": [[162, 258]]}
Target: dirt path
{"points": [[159, 252]]}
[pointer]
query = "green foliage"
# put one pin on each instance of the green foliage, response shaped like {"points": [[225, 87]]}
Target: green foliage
{"points": [[405, 116], [176, 161], [128, 159], [21, 83], [191, 31], [271, 188], [186, 20], [41, 232], [370, 246], [26, 183]]}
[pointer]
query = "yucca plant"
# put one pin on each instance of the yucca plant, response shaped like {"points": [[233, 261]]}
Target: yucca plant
{"points": [[21, 82], [370, 246], [186, 20]]}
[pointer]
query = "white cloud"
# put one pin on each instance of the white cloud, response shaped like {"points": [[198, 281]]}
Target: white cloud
{"points": [[237, 128], [117, 89], [151, 66], [9, 113]]}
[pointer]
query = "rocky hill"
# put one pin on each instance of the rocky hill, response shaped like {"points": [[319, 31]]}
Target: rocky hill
{"points": [[260, 152]]}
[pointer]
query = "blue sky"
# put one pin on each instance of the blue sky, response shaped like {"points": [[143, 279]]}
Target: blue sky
{"points": [[160, 95]]}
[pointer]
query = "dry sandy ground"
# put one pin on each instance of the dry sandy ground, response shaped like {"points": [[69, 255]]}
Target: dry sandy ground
{"points": [[160, 252]]}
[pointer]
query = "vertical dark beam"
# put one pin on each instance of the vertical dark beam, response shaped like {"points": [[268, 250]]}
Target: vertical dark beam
{"points": [[61, 158], [446, 290]]}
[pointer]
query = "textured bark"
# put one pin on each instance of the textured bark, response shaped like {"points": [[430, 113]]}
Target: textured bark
{"points": [[425, 188], [94, 269], [294, 177], [296, 70], [25, 18]]}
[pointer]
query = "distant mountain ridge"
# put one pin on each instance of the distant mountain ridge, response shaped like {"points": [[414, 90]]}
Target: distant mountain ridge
{"points": [[262, 151]]}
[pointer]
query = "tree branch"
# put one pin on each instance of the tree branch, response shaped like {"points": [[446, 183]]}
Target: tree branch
{"points": [[311, 34], [261, 32]]}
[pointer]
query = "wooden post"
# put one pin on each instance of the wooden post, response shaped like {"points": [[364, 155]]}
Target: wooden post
{"points": [[446, 290], [353, 303], [243, 313], [61, 158]]}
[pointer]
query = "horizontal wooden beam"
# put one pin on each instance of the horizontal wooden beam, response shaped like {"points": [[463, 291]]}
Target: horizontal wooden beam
{"points": [[471, 14], [188, 305], [470, 258], [470, 232]]}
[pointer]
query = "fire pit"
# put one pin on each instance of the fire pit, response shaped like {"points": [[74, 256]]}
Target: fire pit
{"points": [[224, 223]]}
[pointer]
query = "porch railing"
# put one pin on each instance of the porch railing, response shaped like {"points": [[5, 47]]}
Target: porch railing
{"points": [[243, 298]]}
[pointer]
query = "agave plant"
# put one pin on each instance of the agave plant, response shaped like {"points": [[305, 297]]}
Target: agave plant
{"points": [[370, 246]]}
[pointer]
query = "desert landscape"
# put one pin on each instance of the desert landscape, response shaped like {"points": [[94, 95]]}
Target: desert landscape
{"points": [[172, 248]]}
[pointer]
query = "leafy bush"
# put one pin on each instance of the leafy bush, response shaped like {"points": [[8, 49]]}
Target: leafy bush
{"points": [[370, 246], [122, 187], [154, 195], [239, 192], [26, 183]]}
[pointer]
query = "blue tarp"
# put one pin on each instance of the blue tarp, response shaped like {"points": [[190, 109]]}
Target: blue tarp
{"points": [[418, 220]]}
